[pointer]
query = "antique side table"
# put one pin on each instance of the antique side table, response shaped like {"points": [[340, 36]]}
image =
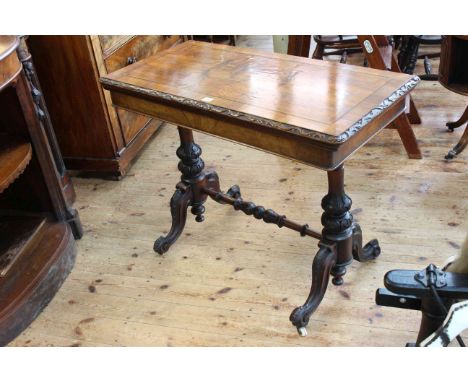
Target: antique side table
{"points": [[315, 112]]}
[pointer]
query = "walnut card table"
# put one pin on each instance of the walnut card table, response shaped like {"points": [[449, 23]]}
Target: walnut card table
{"points": [[315, 112]]}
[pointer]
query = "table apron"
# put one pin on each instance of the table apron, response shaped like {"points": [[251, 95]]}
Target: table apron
{"points": [[323, 155]]}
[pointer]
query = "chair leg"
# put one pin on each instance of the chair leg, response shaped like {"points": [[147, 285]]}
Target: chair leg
{"points": [[460, 146], [413, 114], [407, 137], [403, 54], [413, 56], [461, 121], [318, 52]]}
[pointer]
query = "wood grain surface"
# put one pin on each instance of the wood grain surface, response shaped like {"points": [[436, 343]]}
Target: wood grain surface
{"points": [[304, 95], [15, 155], [10, 66]]}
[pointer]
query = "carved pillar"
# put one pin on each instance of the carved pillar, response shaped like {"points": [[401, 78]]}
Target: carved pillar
{"points": [[337, 222], [191, 166], [66, 197]]}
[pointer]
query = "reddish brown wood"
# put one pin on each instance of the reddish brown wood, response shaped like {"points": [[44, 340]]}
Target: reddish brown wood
{"points": [[17, 233], [453, 75], [380, 56], [333, 45], [453, 63], [15, 155], [36, 241], [11, 66], [35, 278], [135, 49], [194, 85], [93, 136], [43, 114], [299, 45], [323, 263], [460, 146]]}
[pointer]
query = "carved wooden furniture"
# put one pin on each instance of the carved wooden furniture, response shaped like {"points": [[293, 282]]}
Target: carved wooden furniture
{"points": [[299, 45], [30, 71], [409, 54], [379, 55], [336, 45], [453, 74], [431, 291], [312, 111], [37, 248], [218, 39], [93, 136]]}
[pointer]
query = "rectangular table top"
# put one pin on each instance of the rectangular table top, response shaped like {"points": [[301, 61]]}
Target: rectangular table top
{"points": [[315, 100]]}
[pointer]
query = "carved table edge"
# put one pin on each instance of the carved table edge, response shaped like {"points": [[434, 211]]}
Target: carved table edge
{"points": [[402, 91]]}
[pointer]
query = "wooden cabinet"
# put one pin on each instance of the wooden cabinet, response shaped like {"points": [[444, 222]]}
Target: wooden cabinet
{"points": [[453, 73], [92, 134], [37, 247]]}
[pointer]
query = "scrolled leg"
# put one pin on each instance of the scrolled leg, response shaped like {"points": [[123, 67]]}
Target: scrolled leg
{"points": [[323, 262], [179, 204], [460, 146], [464, 118], [369, 252]]}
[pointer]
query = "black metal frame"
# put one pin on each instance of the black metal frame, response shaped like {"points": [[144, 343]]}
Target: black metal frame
{"points": [[432, 291]]}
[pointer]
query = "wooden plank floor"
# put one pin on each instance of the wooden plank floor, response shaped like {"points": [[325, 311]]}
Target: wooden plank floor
{"points": [[233, 281]]}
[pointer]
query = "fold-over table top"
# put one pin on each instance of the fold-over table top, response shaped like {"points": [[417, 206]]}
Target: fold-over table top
{"points": [[325, 101]]}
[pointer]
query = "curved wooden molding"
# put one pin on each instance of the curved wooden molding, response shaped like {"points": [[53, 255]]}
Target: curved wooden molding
{"points": [[14, 157], [40, 272]]}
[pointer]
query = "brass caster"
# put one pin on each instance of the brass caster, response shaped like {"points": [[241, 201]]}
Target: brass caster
{"points": [[302, 331]]}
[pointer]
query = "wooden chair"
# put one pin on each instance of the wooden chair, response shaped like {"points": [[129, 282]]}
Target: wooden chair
{"points": [[336, 45], [379, 54], [409, 54]]}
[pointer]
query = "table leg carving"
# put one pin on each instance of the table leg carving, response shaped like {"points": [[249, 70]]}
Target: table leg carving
{"points": [[212, 180], [233, 198], [369, 252], [337, 222], [341, 241], [323, 262], [191, 166], [189, 192], [179, 204]]}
